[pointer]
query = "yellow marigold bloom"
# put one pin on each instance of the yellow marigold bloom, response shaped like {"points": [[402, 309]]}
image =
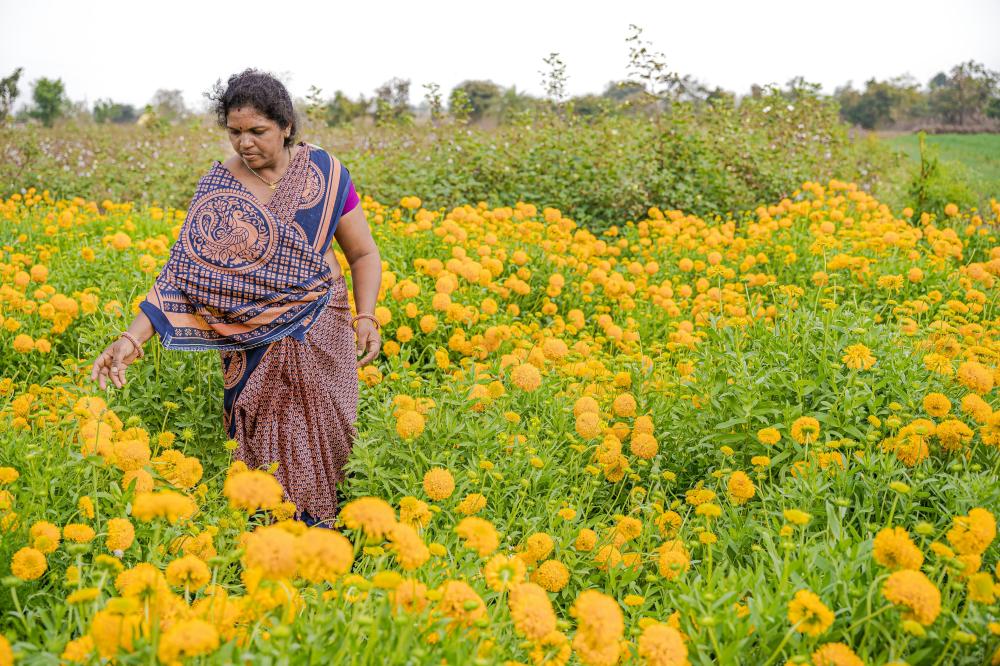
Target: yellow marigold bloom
{"points": [[668, 523], [121, 534], [858, 357], [115, 628], [502, 572], [83, 595], [951, 210], [526, 377], [644, 445], [697, 496], [410, 596], [187, 638], [585, 404], [23, 343], [45, 536], [914, 591], [662, 645], [975, 377], [438, 483], [28, 563], [460, 603], [566, 513], [79, 532], [893, 548], [939, 364], [552, 575], [953, 434], [8, 475], [797, 516], [189, 572], [673, 559], [805, 430], [374, 516], [979, 409], [252, 490], [741, 488], [536, 547], [6, 653], [936, 404], [410, 551], [600, 628], [472, 504], [588, 425], [479, 535], [86, 507], [624, 405], [808, 614], [163, 504], [410, 424], [323, 555], [414, 512], [836, 654], [531, 611], [271, 550], [585, 540], [760, 461], [972, 534], [77, 651], [768, 436]]}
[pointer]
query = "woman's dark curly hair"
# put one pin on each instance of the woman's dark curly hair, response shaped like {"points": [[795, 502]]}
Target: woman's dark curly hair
{"points": [[259, 90]]}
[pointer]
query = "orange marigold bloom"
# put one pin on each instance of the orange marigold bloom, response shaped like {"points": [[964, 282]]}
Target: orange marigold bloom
{"points": [[893, 548], [809, 614], [914, 591], [805, 430]]}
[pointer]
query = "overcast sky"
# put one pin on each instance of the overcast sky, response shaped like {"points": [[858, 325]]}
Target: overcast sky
{"points": [[126, 50]]}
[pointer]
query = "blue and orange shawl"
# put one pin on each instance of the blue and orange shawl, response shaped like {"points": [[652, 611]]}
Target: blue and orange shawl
{"points": [[243, 274]]}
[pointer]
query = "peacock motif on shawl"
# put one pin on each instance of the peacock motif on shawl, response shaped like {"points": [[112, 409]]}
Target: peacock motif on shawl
{"points": [[229, 232]]}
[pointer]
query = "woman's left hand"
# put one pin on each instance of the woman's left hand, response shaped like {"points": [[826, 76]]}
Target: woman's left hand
{"points": [[369, 341]]}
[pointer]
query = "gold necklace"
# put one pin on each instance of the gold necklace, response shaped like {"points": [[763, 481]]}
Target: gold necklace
{"points": [[273, 185]]}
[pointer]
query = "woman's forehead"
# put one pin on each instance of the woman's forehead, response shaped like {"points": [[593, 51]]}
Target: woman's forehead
{"points": [[247, 116]]}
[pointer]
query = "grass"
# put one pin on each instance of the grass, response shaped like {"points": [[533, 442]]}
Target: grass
{"points": [[978, 153]]}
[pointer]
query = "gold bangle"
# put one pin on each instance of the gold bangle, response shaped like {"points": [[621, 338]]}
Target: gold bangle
{"points": [[355, 318]]}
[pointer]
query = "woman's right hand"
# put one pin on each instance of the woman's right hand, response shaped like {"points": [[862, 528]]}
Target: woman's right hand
{"points": [[113, 361]]}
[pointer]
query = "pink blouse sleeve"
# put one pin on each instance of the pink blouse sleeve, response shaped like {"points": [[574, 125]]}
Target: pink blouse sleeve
{"points": [[352, 199]]}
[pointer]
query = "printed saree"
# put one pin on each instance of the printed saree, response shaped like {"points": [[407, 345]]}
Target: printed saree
{"points": [[249, 280]]}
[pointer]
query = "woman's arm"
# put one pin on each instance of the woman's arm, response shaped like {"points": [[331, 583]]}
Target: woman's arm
{"points": [[355, 239]]}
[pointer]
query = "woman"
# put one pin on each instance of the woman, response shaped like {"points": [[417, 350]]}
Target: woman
{"points": [[253, 275]]}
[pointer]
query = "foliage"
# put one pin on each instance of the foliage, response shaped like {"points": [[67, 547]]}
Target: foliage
{"points": [[50, 100], [9, 92]]}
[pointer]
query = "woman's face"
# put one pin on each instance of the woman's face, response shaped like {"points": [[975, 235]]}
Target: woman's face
{"points": [[256, 137]]}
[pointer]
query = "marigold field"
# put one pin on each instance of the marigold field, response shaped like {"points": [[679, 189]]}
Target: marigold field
{"points": [[771, 438]]}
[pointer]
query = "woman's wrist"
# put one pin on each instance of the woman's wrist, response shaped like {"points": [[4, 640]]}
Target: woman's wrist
{"points": [[366, 315]]}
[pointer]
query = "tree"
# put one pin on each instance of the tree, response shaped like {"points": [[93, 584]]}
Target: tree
{"points": [[342, 110], [966, 93], [482, 96], [108, 111], [9, 92], [50, 100], [392, 102], [169, 105]]}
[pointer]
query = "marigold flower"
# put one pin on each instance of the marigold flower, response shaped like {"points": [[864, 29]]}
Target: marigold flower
{"points": [[187, 638], [410, 424], [741, 488], [188, 572], [502, 572], [438, 483], [252, 490], [585, 540], [121, 534], [893, 548], [662, 645], [600, 627], [45, 536], [805, 430], [808, 614], [768, 436], [410, 551], [531, 611], [972, 534], [78, 532], [28, 563], [526, 377], [479, 535], [372, 515], [551, 575], [836, 654], [858, 357], [914, 591], [673, 559], [975, 377], [460, 603], [472, 504], [323, 555]]}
